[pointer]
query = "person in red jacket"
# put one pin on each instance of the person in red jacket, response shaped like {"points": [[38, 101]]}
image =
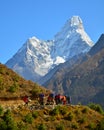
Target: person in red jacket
{"points": [[26, 100]]}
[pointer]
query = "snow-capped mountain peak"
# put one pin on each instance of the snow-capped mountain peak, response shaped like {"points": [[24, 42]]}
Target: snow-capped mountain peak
{"points": [[75, 21], [37, 57], [71, 36]]}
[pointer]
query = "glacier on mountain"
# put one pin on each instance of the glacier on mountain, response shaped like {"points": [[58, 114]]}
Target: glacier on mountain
{"points": [[37, 57]]}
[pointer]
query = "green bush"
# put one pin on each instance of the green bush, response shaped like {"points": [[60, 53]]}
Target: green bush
{"points": [[77, 112], [85, 110], [70, 116], [3, 125], [91, 126], [35, 91], [59, 110], [13, 88], [63, 110], [28, 118], [12, 126], [55, 111], [8, 122], [35, 114], [7, 116], [52, 118], [96, 107], [21, 126], [1, 110], [15, 78], [60, 127], [75, 126], [42, 127], [82, 120], [100, 126]]}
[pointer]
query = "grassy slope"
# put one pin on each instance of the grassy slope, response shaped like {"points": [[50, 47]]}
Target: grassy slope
{"points": [[66, 117], [62, 117], [13, 85]]}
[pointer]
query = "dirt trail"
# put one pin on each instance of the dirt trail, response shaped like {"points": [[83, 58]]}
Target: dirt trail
{"points": [[11, 103], [15, 104]]}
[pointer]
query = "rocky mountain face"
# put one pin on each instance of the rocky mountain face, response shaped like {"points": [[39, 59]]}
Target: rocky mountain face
{"points": [[36, 57], [98, 46], [84, 81], [61, 68]]}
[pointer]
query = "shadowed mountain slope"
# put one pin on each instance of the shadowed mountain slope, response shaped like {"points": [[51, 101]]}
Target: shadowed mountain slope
{"points": [[85, 80]]}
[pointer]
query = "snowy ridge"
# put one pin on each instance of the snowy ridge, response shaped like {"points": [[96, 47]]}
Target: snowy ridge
{"points": [[37, 57], [71, 37]]}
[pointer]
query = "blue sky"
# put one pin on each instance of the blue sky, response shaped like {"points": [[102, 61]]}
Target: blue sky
{"points": [[22, 19]]}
